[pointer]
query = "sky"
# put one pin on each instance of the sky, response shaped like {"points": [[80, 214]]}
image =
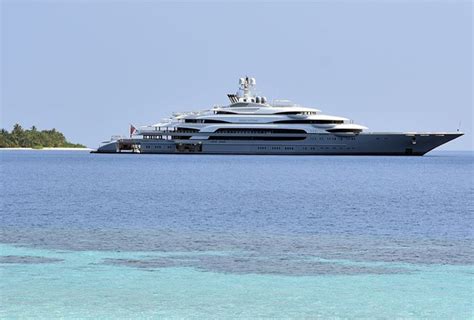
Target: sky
{"points": [[90, 68]]}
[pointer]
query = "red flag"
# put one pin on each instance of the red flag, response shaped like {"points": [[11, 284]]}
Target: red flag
{"points": [[132, 130]]}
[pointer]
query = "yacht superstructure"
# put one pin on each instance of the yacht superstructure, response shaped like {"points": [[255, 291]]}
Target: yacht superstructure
{"points": [[252, 125]]}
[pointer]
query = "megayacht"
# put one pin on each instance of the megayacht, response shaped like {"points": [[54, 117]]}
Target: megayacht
{"points": [[250, 124]]}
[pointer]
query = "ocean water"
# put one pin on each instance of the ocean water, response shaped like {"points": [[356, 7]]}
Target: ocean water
{"points": [[241, 237]]}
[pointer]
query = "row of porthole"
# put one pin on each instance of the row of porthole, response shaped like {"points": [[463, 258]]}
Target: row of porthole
{"points": [[306, 148], [275, 148], [265, 148], [335, 138], [330, 138], [158, 147], [327, 148]]}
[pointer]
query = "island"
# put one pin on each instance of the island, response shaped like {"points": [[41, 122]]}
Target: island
{"points": [[33, 138]]}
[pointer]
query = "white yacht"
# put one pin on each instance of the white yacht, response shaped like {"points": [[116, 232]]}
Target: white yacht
{"points": [[250, 124]]}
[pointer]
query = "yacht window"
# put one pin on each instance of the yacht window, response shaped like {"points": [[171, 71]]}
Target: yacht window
{"points": [[311, 121]]}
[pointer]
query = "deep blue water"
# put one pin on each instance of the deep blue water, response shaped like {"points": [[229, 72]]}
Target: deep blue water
{"points": [[276, 230]]}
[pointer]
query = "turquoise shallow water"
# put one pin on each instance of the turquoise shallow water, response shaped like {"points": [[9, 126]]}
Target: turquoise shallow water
{"points": [[81, 286], [93, 236]]}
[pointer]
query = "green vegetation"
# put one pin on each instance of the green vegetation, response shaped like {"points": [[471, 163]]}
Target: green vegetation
{"points": [[32, 138]]}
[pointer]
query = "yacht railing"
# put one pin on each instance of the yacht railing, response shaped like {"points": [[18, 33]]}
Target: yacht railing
{"points": [[283, 103]]}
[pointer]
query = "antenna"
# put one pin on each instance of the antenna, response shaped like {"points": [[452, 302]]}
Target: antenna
{"points": [[459, 126], [247, 85]]}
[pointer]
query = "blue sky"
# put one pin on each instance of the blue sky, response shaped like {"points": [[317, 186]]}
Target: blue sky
{"points": [[89, 68]]}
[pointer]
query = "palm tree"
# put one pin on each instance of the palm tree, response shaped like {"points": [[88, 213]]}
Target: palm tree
{"points": [[17, 129]]}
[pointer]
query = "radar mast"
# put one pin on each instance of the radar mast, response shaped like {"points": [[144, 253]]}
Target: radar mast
{"points": [[246, 93]]}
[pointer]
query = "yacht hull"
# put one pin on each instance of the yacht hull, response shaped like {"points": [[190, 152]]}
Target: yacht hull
{"points": [[404, 144]]}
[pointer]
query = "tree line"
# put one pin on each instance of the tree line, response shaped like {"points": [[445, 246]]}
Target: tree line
{"points": [[33, 138]]}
